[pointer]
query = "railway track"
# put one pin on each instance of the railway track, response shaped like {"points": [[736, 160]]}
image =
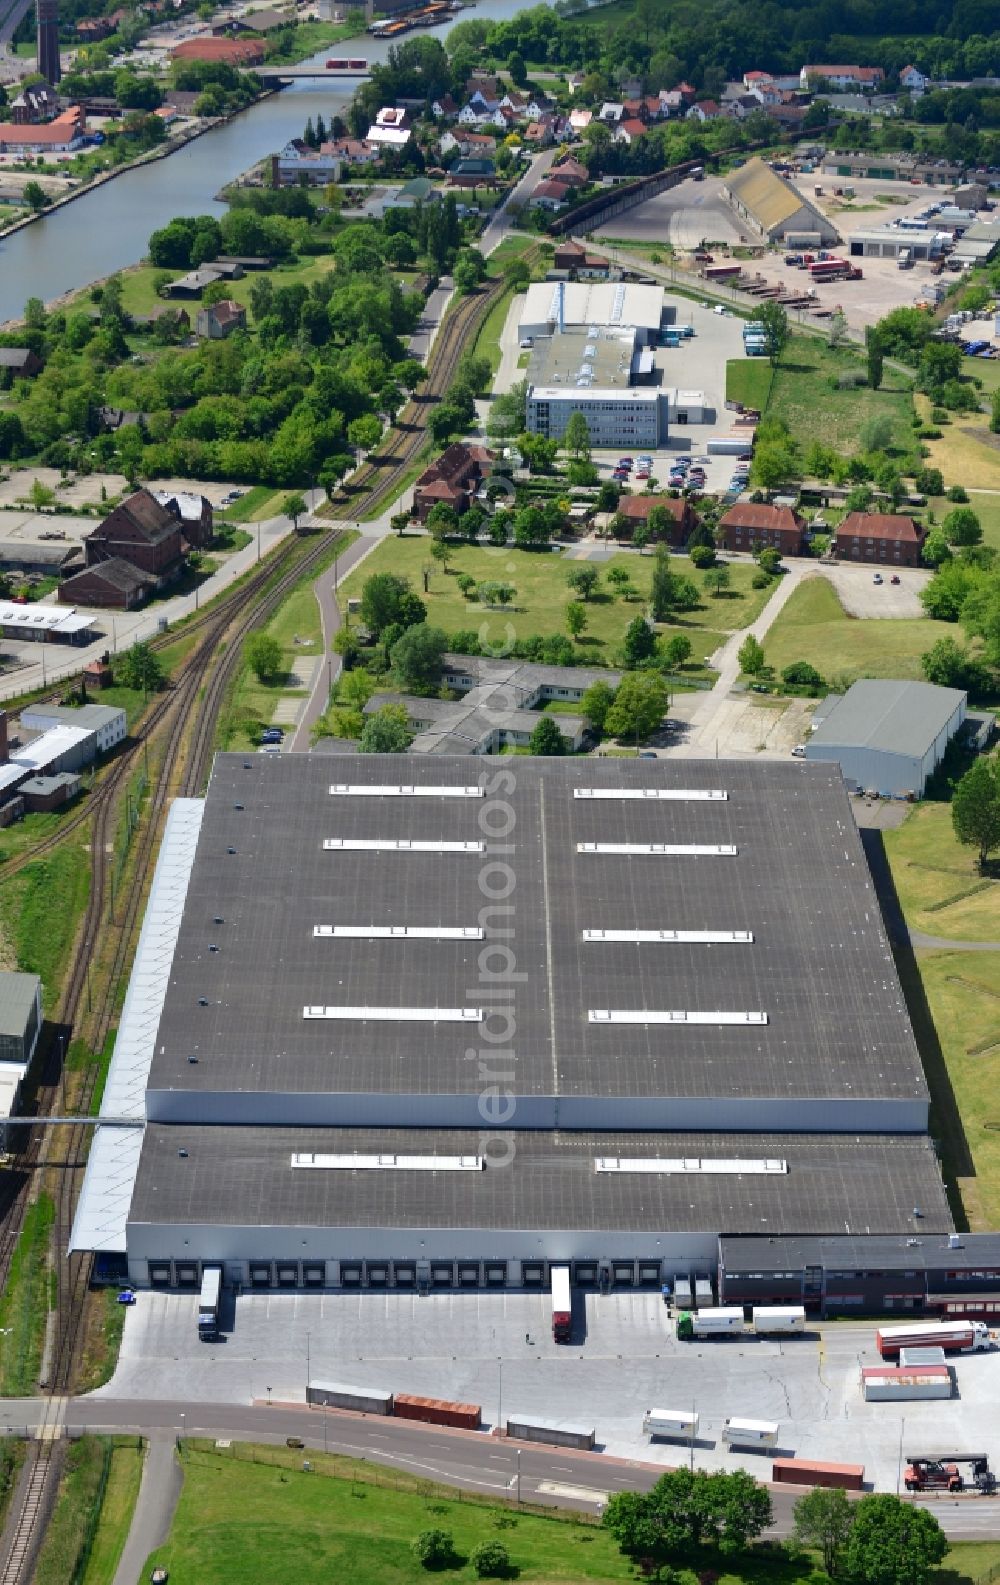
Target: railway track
{"points": [[187, 714]]}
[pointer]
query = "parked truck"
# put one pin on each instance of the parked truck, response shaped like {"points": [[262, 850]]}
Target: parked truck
{"points": [[955, 1337], [209, 1301], [775, 1320], [562, 1305], [722, 272], [678, 1423], [750, 1433], [943, 1472], [714, 1322]]}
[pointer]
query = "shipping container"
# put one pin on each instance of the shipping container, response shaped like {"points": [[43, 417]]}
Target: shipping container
{"points": [[683, 1297], [910, 1357], [671, 1422], [333, 1395], [750, 1433], [437, 1411], [722, 272], [891, 1384], [952, 1336], [806, 1472], [560, 1433], [769, 1319], [703, 1295]]}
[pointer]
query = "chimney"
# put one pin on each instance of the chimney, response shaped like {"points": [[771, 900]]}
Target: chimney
{"points": [[4, 754]]}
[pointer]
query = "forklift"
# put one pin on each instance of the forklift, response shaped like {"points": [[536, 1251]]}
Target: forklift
{"points": [[941, 1472]]}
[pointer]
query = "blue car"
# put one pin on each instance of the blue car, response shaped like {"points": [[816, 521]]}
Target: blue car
{"points": [[126, 1296]]}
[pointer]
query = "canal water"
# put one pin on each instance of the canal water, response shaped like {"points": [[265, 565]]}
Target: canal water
{"points": [[109, 228]]}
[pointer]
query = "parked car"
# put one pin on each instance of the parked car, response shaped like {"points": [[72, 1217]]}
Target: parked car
{"points": [[894, 578], [642, 473], [126, 1296], [877, 578], [799, 751]]}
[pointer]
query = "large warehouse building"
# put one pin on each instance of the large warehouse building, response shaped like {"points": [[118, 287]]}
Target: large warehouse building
{"points": [[774, 209], [450, 1030], [551, 306]]}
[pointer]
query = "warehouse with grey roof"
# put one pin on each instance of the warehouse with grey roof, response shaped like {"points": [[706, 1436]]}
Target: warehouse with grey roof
{"points": [[887, 736], [430, 1021]]}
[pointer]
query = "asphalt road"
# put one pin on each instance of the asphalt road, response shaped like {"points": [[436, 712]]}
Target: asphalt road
{"points": [[474, 1461]]}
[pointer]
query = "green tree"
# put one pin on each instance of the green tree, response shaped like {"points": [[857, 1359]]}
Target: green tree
{"points": [[800, 674], [441, 552], [962, 527], [576, 438], [608, 496], [946, 664], [975, 809], [547, 739], [387, 731], [417, 658], [596, 702], [620, 578], [383, 600], [774, 464], [995, 412], [585, 579], [717, 579], [935, 549], [399, 522], [775, 322], [364, 433], [517, 274], [265, 657], [140, 667], [490, 1559], [676, 650], [929, 481], [639, 643], [664, 586], [876, 362], [641, 701], [295, 506], [751, 656], [876, 433], [823, 1521], [35, 196], [40, 494], [432, 1548], [702, 557], [892, 1542], [576, 618]]}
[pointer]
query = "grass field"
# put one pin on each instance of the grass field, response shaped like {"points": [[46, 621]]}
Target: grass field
{"points": [[939, 887], [543, 594], [39, 911], [24, 1303], [985, 504], [271, 1522], [487, 343], [140, 297], [802, 395], [966, 453], [93, 1509], [814, 626], [748, 380], [117, 1507]]}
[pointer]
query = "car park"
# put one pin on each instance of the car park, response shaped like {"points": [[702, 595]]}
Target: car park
{"points": [[642, 473]]}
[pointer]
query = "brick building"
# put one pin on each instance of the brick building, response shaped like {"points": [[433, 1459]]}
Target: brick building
{"points": [[452, 479], [142, 532], [750, 526], [635, 509], [880, 537]]}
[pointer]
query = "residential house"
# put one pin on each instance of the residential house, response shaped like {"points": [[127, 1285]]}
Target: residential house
{"points": [[551, 195], [62, 136], [704, 110], [570, 172], [739, 106], [445, 108], [611, 113], [193, 512], [18, 363], [629, 131], [219, 320], [90, 30], [312, 168], [880, 537], [914, 79], [579, 121], [754, 80], [655, 109], [243, 52], [630, 86], [539, 134], [575, 81], [750, 526], [672, 101], [390, 129], [635, 509], [350, 151], [635, 109], [863, 78], [453, 478], [473, 173], [687, 93], [142, 532], [179, 316]]}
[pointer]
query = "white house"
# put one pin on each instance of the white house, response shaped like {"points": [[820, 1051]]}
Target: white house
{"points": [[611, 113], [913, 78]]}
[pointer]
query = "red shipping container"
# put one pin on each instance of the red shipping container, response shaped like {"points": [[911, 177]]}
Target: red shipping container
{"points": [[437, 1411], [806, 1472]]}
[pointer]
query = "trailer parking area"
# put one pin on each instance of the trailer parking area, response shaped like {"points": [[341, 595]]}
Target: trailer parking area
{"points": [[622, 1360]]}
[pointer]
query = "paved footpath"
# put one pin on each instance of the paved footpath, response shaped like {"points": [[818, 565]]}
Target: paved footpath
{"points": [[154, 1510]]}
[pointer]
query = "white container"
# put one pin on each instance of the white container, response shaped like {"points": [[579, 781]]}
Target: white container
{"points": [[718, 1322], [773, 1319], [671, 1422], [750, 1433], [910, 1358]]}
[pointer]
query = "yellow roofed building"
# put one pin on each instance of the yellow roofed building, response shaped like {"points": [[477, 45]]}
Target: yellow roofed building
{"points": [[774, 209]]}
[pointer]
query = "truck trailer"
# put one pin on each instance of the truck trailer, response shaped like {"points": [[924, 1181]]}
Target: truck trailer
{"points": [[559, 1433], [779, 1319], [209, 1301], [893, 1384], [953, 1336], [807, 1472], [678, 1423], [750, 1433], [562, 1304], [711, 1323]]}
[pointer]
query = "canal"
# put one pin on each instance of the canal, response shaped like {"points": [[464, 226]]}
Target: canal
{"points": [[109, 228]]}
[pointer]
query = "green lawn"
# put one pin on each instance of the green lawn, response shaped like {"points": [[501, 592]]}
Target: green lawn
{"points": [[24, 1302], [543, 594], [272, 1522], [802, 395], [814, 626], [939, 887], [748, 380], [40, 909], [140, 297], [985, 505], [117, 1507], [487, 344]]}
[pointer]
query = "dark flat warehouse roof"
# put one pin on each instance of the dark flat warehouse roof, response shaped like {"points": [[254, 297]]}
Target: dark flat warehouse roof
{"points": [[926, 1248], [819, 965], [243, 1176]]}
